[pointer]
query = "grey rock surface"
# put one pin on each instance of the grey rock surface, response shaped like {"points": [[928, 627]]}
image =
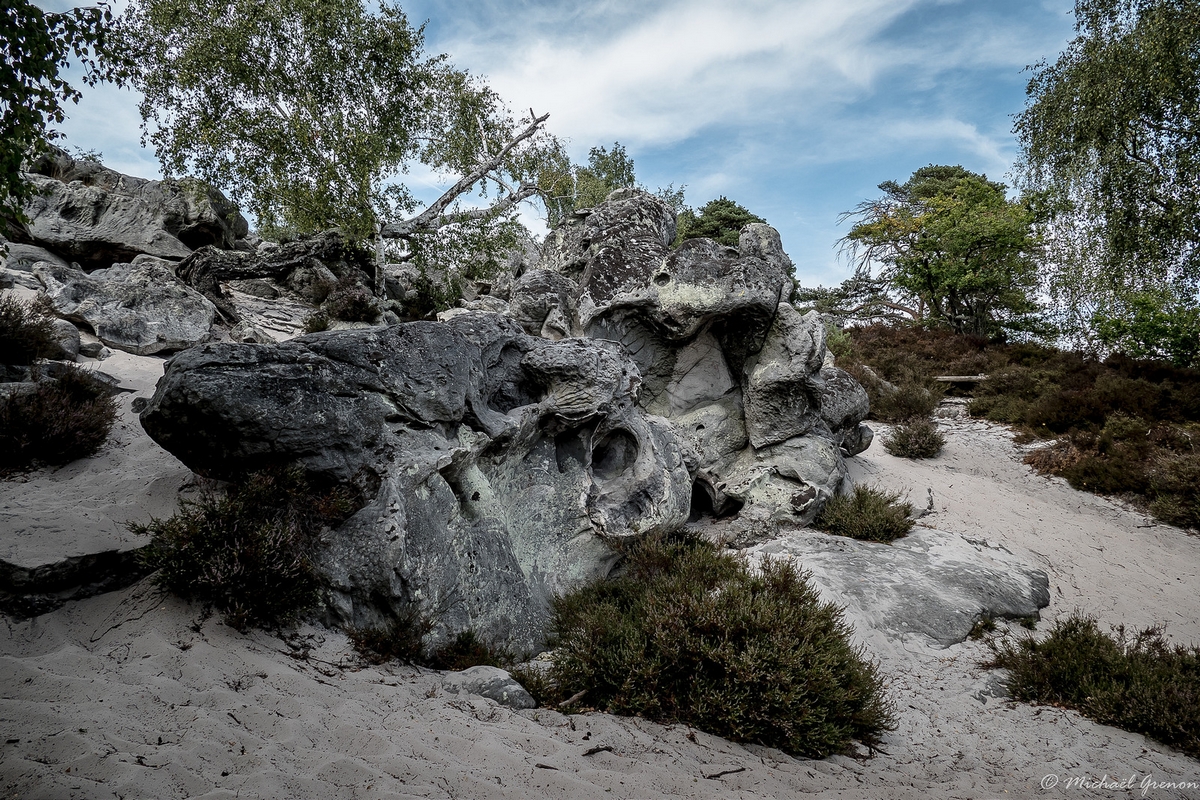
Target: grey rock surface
{"points": [[930, 583], [499, 466], [739, 374], [139, 308], [87, 213], [66, 340], [492, 683]]}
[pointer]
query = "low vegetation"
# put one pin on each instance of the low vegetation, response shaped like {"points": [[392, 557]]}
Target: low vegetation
{"points": [[688, 634], [56, 422], [247, 551], [1140, 683], [1123, 427], [867, 513], [917, 438], [25, 332]]}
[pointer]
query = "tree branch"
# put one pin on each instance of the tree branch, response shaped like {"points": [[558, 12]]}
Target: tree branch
{"points": [[433, 218]]}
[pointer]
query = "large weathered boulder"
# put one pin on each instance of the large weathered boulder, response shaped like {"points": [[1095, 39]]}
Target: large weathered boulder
{"points": [[739, 373], [499, 466], [140, 308], [931, 584], [97, 216]]}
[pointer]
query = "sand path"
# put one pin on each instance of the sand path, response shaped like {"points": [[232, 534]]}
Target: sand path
{"points": [[133, 694]]}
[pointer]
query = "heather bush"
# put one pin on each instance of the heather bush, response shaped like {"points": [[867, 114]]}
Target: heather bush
{"points": [[60, 420], [1140, 683], [25, 332], [246, 551], [351, 303], [917, 438], [686, 633], [867, 513]]}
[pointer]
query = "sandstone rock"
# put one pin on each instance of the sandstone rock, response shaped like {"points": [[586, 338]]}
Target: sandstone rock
{"points": [[498, 465], [141, 309], [311, 266], [492, 683], [930, 583], [543, 303], [66, 340], [783, 388], [96, 216]]}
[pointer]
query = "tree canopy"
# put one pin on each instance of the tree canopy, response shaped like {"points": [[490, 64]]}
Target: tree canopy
{"points": [[36, 47], [721, 219], [952, 245], [308, 112], [1111, 153]]}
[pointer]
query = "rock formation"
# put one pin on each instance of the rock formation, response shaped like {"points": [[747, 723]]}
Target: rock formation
{"points": [[500, 466], [85, 212], [141, 308], [625, 387]]}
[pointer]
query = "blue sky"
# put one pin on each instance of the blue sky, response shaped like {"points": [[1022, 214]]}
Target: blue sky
{"points": [[796, 109]]}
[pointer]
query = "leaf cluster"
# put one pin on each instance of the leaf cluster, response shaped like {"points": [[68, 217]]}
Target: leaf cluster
{"points": [[721, 220], [1111, 142], [305, 110], [1140, 683], [953, 246], [37, 46], [689, 634]]}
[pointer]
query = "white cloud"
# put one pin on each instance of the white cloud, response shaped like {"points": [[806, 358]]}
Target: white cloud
{"points": [[670, 74]]}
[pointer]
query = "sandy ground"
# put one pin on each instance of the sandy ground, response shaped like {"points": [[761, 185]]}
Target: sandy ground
{"points": [[136, 695]]}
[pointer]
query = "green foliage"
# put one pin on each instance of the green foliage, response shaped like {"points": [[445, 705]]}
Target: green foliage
{"points": [[567, 187], [955, 248], [916, 438], [25, 332], [1111, 153], [1125, 427], [688, 634], [63, 419], [867, 513], [721, 220], [247, 551], [1154, 323], [36, 47], [1140, 683], [307, 111], [316, 322]]}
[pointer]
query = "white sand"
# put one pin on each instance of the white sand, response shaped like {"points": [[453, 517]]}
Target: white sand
{"points": [[135, 695]]}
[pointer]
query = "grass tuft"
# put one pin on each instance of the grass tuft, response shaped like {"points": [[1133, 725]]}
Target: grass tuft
{"points": [[246, 551], [1140, 683], [867, 513], [686, 633], [917, 438]]}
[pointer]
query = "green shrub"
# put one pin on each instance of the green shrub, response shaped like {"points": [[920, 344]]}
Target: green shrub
{"points": [[866, 513], [402, 639], [466, 651], [917, 438], [316, 322], [1141, 684], [246, 551], [25, 332], [61, 420], [686, 633]]}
